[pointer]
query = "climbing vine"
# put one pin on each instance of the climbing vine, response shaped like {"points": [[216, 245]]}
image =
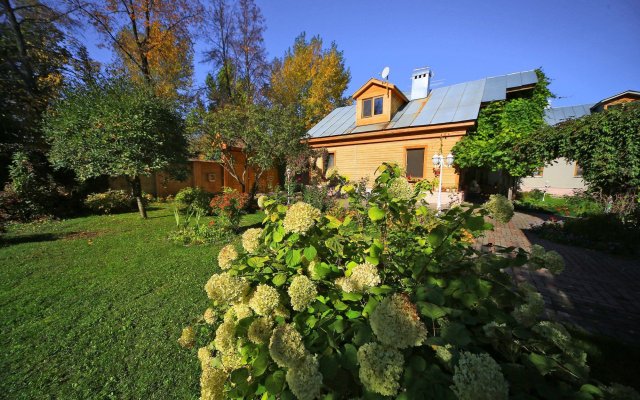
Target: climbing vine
{"points": [[501, 140]]}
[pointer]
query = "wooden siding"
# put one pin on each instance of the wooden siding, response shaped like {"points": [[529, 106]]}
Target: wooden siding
{"points": [[360, 160]]}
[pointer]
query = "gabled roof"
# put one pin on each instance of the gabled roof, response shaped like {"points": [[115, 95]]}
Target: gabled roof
{"points": [[626, 93], [448, 104], [378, 82]]}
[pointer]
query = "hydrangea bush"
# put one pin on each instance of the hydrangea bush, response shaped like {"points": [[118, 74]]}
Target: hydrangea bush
{"points": [[395, 303]]}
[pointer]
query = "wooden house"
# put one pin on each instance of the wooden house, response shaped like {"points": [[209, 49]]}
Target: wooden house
{"points": [[386, 125]]}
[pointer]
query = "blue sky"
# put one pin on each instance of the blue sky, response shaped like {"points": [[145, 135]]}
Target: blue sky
{"points": [[589, 48]]}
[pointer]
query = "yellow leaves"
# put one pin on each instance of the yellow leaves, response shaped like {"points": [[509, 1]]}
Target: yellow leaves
{"points": [[311, 77]]}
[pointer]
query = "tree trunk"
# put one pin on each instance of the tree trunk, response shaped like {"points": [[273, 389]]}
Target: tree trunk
{"points": [[136, 190]]}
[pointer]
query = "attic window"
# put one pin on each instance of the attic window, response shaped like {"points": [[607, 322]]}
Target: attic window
{"points": [[374, 105]]}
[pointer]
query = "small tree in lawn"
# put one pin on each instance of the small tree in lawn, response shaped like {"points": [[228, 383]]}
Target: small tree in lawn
{"points": [[115, 128], [248, 137]]}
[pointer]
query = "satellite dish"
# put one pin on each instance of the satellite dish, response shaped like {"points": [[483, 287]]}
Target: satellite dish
{"points": [[385, 73]]}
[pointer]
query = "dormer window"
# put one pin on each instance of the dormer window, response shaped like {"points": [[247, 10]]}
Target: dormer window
{"points": [[374, 105]]}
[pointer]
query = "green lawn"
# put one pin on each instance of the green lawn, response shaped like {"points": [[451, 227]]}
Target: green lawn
{"points": [[92, 308]]}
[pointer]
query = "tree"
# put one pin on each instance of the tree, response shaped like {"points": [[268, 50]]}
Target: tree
{"points": [[310, 78], [152, 38], [252, 137], [505, 135], [33, 55], [606, 145], [115, 128], [237, 53]]}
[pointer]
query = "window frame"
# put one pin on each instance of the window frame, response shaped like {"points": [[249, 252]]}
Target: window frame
{"points": [[326, 165], [373, 108], [424, 161]]}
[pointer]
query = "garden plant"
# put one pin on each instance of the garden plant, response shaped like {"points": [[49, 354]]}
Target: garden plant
{"points": [[390, 301]]}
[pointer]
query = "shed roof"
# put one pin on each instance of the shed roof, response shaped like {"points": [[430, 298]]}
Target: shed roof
{"points": [[553, 116], [447, 104]]}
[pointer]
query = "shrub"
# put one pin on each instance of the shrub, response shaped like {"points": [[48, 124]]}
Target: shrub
{"points": [[190, 231], [387, 306], [109, 202], [535, 194], [499, 208], [318, 196], [195, 198], [228, 206]]}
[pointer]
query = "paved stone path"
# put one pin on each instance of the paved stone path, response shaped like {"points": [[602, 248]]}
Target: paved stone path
{"points": [[597, 292]]}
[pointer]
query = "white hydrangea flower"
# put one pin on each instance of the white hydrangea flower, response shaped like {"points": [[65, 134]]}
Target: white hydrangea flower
{"points": [[251, 240], [188, 337], [302, 292], [226, 343], [210, 316], [212, 384], [225, 288], [227, 256], [478, 377], [396, 323], [300, 217], [500, 208], [286, 347], [260, 330], [305, 380], [364, 276], [380, 368], [237, 312], [264, 300]]}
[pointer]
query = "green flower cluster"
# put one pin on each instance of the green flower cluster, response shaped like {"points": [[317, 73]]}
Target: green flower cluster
{"points": [[188, 337], [226, 343], [380, 368], [264, 300], [251, 240], [396, 323], [209, 316], [478, 377], [302, 292], [227, 256], [363, 276], [528, 313], [259, 331], [225, 288], [400, 188], [212, 379], [288, 351], [551, 260], [300, 217], [500, 208]]}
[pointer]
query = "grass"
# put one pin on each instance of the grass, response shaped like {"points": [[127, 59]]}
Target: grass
{"points": [[92, 307], [563, 206]]}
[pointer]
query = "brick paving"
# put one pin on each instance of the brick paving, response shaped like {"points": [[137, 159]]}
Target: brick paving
{"points": [[597, 292]]}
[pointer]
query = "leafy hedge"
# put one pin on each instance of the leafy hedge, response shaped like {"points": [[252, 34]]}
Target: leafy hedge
{"points": [[109, 202], [391, 301]]}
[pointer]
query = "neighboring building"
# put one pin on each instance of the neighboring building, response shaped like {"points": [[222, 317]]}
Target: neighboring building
{"points": [[564, 177], [208, 175], [384, 125]]}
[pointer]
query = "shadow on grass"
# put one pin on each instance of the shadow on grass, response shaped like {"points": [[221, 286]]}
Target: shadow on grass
{"points": [[33, 238]]}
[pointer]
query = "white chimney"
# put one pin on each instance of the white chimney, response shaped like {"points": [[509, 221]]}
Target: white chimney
{"points": [[420, 82]]}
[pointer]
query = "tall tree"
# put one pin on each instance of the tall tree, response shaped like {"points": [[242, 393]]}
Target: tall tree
{"points": [[310, 78], [151, 37], [115, 128], [237, 53]]}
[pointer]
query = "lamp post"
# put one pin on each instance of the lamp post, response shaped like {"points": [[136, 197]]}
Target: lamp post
{"points": [[439, 161]]}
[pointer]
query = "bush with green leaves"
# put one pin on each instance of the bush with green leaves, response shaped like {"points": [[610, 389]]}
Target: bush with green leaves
{"points": [[109, 202], [190, 230], [195, 198], [395, 304]]}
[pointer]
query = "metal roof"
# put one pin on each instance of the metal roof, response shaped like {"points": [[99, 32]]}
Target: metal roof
{"points": [[455, 103], [556, 115]]}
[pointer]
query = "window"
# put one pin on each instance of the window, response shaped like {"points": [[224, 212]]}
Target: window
{"points": [[330, 161], [372, 106], [377, 106], [538, 173], [415, 163], [577, 171]]}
